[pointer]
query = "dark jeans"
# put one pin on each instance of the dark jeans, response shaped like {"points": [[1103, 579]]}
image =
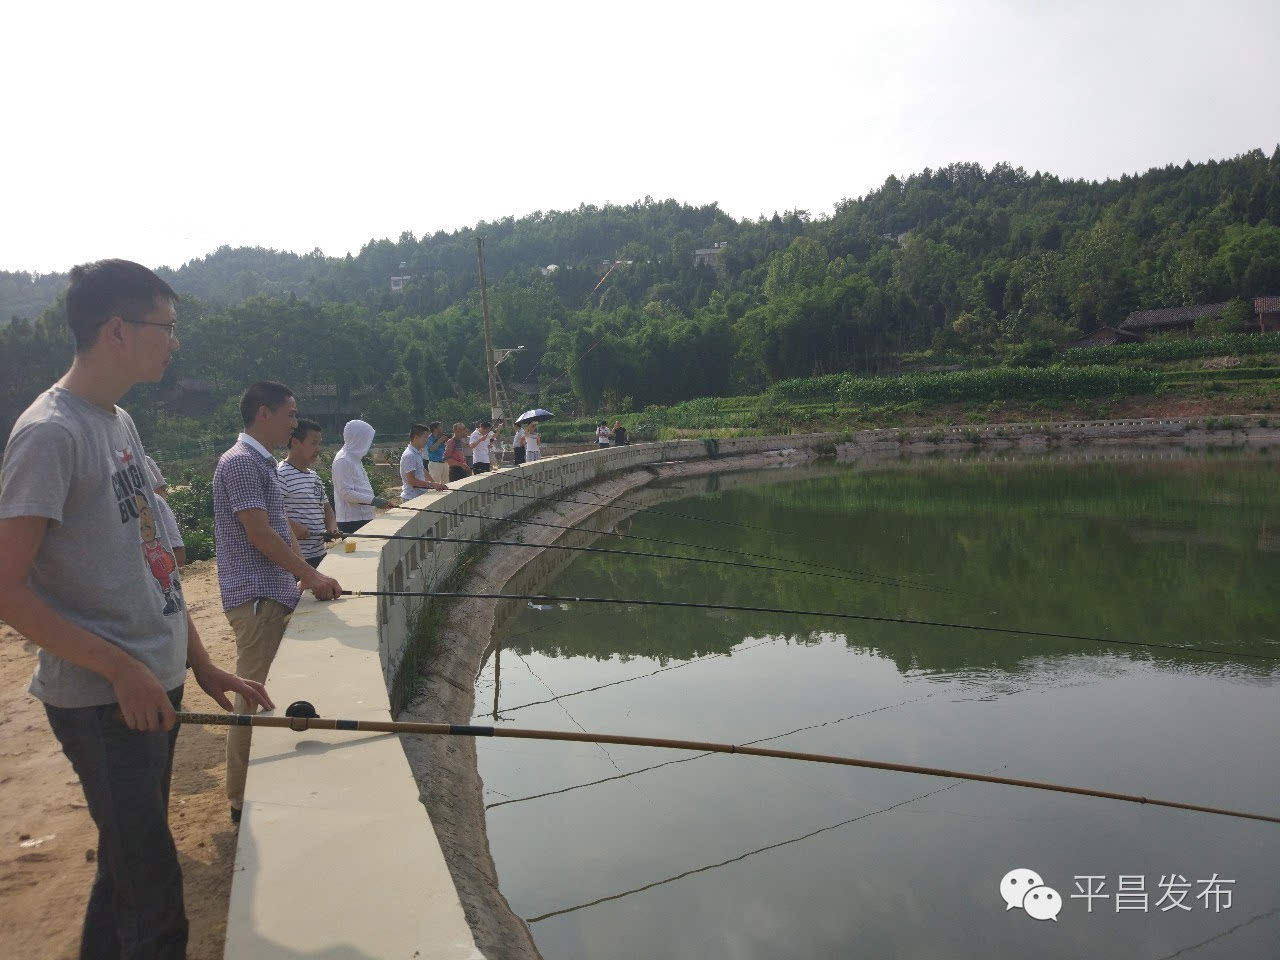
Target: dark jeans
{"points": [[351, 526], [314, 561], [480, 467], [135, 908], [456, 473], [517, 455]]}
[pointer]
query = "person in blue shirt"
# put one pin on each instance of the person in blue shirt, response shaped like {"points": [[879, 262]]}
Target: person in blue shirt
{"points": [[437, 469]]}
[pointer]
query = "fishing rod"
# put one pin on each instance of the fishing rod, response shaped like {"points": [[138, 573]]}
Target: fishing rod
{"points": [[638, 553], [690, 605], [699, 756], [301, 716], [667, 513], [894, 581]]}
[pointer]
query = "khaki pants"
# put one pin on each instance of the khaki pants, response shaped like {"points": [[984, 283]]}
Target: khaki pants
{"points": [[439, 472], [258, 634]]}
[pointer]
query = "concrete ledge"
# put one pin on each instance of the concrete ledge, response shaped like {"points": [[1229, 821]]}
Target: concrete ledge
{"points": [[336, 856]]}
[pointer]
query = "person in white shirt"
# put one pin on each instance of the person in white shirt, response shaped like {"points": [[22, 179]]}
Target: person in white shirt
{"points": [[532, 442], [517, 445], [353, 499], [481, 441], [167, 520], [413, 469], [602, 434]]}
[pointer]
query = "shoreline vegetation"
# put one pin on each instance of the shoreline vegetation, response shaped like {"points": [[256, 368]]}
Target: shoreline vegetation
{"points": [[960, 285], [1226, 418]]}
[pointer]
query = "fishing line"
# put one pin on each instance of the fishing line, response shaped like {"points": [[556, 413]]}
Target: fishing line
{"points": [[891, 581], [1218, 936], [301, 716], [666, 513], [741, 857], [614, 683], [556, 699], [544, 626], [655, 556], [689, 605], [699, 756]]}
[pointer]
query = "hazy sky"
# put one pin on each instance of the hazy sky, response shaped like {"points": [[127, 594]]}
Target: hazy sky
{"points": [[161, 133]]}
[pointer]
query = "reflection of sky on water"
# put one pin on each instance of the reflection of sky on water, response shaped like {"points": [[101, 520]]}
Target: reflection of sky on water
{"points": [[919, 879]]}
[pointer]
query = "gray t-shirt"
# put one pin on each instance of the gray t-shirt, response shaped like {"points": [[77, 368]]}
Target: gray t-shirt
{"points": [[106, 562]]}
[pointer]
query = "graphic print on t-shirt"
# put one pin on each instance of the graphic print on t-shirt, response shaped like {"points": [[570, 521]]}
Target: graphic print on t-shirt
{"points": [[132, 503]]}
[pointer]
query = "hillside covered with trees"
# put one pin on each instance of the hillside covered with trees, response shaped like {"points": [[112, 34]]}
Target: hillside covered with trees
{"points": [[957, 265]]}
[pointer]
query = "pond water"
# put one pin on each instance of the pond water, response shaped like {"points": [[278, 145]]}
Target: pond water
{"points": [[629, 852]]}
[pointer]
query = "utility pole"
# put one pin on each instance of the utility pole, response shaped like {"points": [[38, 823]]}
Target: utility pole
{"points": [[495, 412]]}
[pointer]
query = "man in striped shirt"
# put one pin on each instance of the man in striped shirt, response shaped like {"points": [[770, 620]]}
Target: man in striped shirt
{"points": [[305, 504]]}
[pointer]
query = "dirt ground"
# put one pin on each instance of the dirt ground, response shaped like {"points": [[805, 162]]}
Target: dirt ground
{"points": [[48, 839]]}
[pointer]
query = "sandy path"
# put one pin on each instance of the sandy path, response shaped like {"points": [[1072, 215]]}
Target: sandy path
{"points": [[44, 887]]}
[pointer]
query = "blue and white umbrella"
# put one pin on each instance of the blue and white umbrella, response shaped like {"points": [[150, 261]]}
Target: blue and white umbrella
{"points": [[530, 415]]}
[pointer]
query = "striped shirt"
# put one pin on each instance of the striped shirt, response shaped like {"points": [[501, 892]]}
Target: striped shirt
{"points": [[304, 502]]}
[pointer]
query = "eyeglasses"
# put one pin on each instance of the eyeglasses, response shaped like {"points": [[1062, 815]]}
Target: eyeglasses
{"points": [[153, 323]]}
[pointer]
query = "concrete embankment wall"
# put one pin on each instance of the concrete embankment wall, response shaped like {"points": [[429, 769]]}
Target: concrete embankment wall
{"points": [[1194, 431], [336, 856]]}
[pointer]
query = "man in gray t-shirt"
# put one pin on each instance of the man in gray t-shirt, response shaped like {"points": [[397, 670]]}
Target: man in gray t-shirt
{"points": [[87, 573], [82, 468]]}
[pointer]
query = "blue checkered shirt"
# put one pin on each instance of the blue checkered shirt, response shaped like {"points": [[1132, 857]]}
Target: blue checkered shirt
{"points": [[246, 480]]}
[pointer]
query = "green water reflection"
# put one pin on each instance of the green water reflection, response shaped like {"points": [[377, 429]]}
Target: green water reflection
{"points": [[1179, 550]]}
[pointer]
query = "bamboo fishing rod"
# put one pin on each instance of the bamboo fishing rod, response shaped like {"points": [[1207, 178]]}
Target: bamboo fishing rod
{"points": [[667, 513], [839, 615], [301, 716], [639, 553], [892, 581]]}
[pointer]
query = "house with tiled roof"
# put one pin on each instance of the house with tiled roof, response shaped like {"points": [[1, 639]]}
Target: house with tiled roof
{"points": [[1267, 310], [1169, 319], [1105, 337]]}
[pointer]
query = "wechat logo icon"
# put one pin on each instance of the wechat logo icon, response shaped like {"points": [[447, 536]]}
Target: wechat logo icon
{"points": [[1025, 889]]}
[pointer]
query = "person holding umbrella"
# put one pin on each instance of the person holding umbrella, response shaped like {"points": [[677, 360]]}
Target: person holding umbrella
{"points": [[532, 442], [529, 419]]}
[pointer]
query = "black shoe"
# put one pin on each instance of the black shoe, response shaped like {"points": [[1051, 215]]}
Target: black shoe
{"points": [[235, 815]]}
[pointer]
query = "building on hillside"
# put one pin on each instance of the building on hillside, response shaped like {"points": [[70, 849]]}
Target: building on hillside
{"points": [[1267, 310], [397, 283], [1105, 337], [549, 269], [709, 256], [1169, 319]]}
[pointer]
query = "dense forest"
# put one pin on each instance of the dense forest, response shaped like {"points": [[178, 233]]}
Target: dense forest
{"points": [[959, 264]]}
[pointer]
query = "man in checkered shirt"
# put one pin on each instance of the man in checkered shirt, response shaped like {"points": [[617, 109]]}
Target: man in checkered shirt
{"points": [[259, 564]]}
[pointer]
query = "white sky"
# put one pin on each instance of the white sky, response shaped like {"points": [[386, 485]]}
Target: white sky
{"points": [[162, 133]]}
